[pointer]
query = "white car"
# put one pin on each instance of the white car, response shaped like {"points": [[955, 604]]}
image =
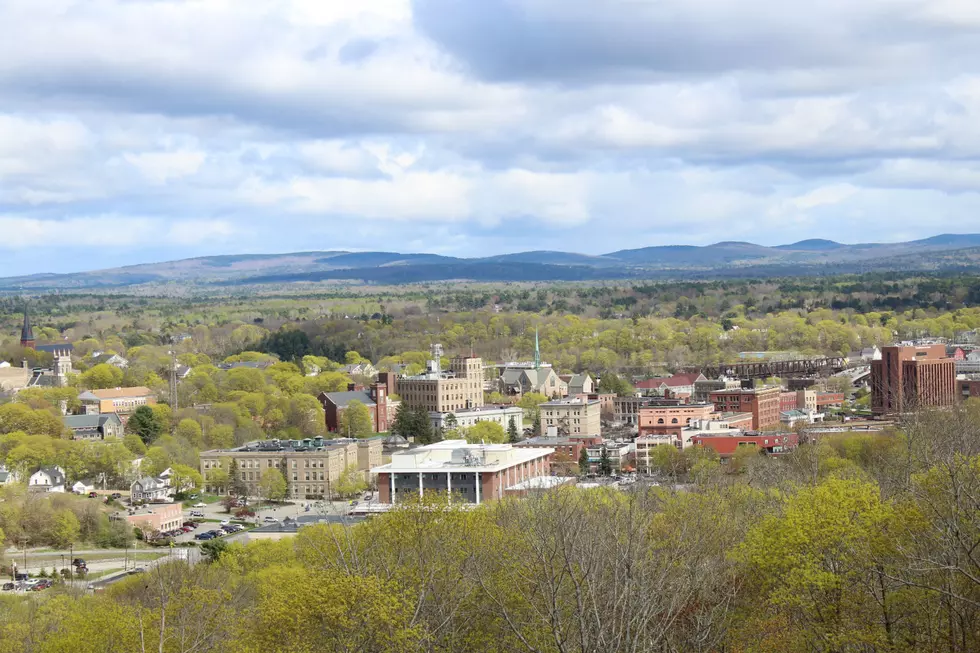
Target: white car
{"points": [[225, 522], [200, 505]]}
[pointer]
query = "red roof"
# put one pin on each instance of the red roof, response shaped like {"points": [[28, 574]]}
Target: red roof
{"points": [[669, 381]]}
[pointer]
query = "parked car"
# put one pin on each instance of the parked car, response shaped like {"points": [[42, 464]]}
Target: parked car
{"points": [[78, 562], [92, 495], [225, 522], [270, 519], [8, 587], [204, 536], [192, 524], [200, 505], [115, 495], [196, 513]]}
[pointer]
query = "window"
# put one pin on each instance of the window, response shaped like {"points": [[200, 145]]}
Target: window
{"points": [[673, 421]]}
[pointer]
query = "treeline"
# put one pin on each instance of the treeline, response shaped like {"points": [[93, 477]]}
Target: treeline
{"points": [[859, 543]]}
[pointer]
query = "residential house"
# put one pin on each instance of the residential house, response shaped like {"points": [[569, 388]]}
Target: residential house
{"points": [[7, 477], [83, 487], [364, 368], [578, 384], [95, 426], [149, 489], [375, 399], [865, 355], [108, 358], [47, 479], [678, 385]]}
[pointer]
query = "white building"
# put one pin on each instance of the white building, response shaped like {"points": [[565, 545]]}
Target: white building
{"points": [[47, 479], [149, 488], [83, 487], [472, 473], [501, 414]]}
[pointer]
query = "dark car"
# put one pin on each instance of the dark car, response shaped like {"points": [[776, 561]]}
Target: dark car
{"points": [[8, 587], [92, 495], [204, 536], [78, 562]]}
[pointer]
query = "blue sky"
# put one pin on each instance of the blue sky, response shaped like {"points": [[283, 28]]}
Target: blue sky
{"points": [[145, 130]]}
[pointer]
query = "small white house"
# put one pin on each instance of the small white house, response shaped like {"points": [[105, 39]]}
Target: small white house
{"points": [[83, 487], [47, 479]]}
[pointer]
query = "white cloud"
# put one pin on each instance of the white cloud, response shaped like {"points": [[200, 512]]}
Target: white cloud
{"points": [[161, 167]]}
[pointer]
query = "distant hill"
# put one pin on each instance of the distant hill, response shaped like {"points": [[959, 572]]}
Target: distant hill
{"points": [[956, 252]]}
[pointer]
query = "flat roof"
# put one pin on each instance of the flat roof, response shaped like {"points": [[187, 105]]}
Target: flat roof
{"points": [[541, 483], [578, 401], [474, 458]]}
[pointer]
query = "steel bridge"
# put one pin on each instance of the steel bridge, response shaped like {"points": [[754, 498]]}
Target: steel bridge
{"points": [[766, 369]]}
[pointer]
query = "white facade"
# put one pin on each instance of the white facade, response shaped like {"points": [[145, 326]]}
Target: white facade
{"points": [[47, 479], [467, 418]]}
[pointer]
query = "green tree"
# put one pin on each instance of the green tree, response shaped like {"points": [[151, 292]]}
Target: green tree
{"points": [[613, 384], [486, 432], [190, 430], [185, 477], [583, 462], [101, 376], [605, 463], [414, 424], [65, 529], [144, 423], [272, 485], [213, 549], [355, 421], [512, 435], [351, 482], [235, 483]]}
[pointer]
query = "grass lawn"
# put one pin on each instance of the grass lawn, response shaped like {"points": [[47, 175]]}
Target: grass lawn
{"points": [[95, 575]]}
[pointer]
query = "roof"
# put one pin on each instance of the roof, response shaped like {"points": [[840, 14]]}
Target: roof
{"points": [[341, 399], [578, 379], [570, 402], [55, 474], [61, 346], [150, 483], [26, 332], [669, 381], [89, 421], [117, 393]]}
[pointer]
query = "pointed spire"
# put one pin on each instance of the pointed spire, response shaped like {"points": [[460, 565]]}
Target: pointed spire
{"points": [[26, 332], [537, 350]]}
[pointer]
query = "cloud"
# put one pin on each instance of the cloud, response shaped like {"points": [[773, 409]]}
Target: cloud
{"points": [[173, 128]]}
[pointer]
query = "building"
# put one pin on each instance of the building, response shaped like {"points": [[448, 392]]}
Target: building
{"points": [[521, 378], [122, 401], [620, 455], [679, 385], [790, 418], [499, 413], [100, 357], [27, 331], [704, 387], [907, 377], [472, 473], [865, 355], [671, 419], [290, 526], [829, 399], [157, 519], [571, 417], [83, 487], [375, 399], [726, 445], [644, 445], [94, 427], [762, 402], [626, 410], [804, 400], [7, 477], [968, 387], [309, 466], [578, 384], [47, 479], [149, 489], [568, 450], [438, 391]]}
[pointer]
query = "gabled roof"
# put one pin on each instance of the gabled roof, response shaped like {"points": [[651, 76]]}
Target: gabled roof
{"points": [[90, 421], [150, 483], [61, 346], [57, 478], [670, 381], [341, 399]]}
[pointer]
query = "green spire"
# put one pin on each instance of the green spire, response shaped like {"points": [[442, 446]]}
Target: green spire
{"points": [[537, 350]]}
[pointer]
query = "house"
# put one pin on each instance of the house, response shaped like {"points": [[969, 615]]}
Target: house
{"points": [[94, 427], [252, 365], [83, 487], [578, 384], [148, 489], [122, 401], [374, 399], [108, 358], [865, 355], [359, 369], [678, 385], [47, 479], [7, 477]]}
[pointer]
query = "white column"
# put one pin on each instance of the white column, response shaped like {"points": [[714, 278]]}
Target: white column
{"points": [[449, 485], [478, 488], [392, 475], [420, 484]]}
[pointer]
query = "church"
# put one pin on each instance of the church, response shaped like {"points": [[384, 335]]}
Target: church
{"points": [[13, 379]]}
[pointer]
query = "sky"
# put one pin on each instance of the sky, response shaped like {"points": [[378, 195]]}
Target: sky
{"points": [[146, 130]]}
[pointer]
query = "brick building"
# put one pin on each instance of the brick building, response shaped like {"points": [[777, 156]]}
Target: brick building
{"points": [[374, 398], [159, 518], [459, 388], [567, 450], [727, 445], [763, 403], [671, 419], [910, 376], [472, 473]]}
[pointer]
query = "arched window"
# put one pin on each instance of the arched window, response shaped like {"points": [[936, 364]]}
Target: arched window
{"points": [[660, 421], [673, 421]]}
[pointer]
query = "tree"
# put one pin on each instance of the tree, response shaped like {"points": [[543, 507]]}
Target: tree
{"points": [[185, 477], [229, 503], [351, 482], [101, 376], [212, 549], [414, 424], [583, 462], [613, 384], [512, 435], [235, 482], [605, 463], [485, 432], [217, 480], [355, 421], [135, 444], [272, 485], [144, 423], [65, 529], [190, 430]]}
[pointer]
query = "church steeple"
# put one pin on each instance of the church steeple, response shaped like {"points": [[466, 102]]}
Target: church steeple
{"points": [[26, 332], [537, 350]]}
